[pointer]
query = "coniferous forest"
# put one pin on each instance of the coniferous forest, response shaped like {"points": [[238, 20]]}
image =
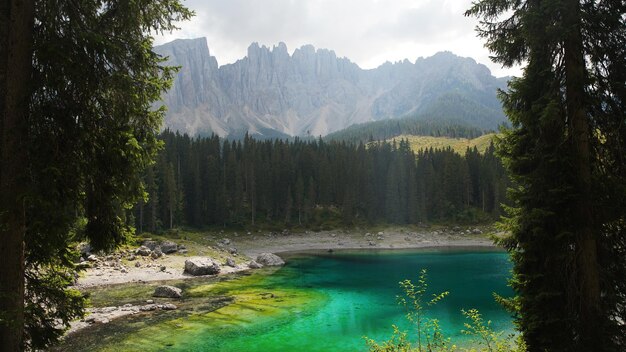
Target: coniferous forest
{"points": [[207, 181], [83, 163]]}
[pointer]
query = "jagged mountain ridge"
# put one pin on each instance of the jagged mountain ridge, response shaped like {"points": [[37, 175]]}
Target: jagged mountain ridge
{"points": [[313, 92]]}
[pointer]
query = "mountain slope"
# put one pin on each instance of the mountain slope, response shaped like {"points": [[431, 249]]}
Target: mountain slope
{"points": [[459, 145], [391, 128], [313, 92]]}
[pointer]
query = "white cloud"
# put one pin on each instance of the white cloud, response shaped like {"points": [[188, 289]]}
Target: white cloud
{"points": [[368, 32]]}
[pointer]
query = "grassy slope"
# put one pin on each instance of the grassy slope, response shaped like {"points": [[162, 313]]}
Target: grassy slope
{"points": [[459, 145]]}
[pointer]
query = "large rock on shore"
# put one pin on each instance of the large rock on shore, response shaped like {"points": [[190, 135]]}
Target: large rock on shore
{"points": [[269, 259], [231, 262], [168, 247], [254, 265], [85, 249], [156, 253], [201, 266], [143, 250], [168, 292], [150, 244]]}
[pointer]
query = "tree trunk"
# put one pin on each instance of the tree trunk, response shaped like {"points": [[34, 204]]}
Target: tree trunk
{"points": [[252, 195], [16, 37], [141, 205], [153, 216], [483, 199], [587, 268]]}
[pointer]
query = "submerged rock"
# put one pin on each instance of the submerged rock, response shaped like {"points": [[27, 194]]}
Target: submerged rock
{"points": [[201, 266], [267, 295], [168, 306], [149, 307], [270, 259], [168, 292]]}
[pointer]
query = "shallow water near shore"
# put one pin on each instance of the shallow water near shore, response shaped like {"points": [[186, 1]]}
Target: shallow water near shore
{"points": [[317, 302]]}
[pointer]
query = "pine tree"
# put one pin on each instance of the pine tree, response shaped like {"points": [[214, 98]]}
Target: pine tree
{"points": [[299, 197], [394, 193], [288, 206], [309, 201], [171, 198], [152, 206], [77, 86], [566, 112], [196, 218], [16, 40]]}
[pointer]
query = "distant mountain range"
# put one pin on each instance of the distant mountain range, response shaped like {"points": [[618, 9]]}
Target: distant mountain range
{"points": [[313, 92]]}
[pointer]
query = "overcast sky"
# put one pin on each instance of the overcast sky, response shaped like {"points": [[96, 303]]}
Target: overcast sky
{"points": [[368, 32]]}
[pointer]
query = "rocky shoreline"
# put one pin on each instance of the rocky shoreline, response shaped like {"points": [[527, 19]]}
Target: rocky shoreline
{"points": [[168, 260]]}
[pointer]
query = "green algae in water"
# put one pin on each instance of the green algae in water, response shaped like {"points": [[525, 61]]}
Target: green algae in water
{"points": [[326, 303]]}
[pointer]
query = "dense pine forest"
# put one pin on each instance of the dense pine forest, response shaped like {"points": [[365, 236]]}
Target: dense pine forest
{"points": [[200, 182]]}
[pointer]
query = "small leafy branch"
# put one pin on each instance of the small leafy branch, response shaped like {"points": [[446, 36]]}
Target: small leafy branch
{"points": [[486, 337], [477, 327], [428, 333]]}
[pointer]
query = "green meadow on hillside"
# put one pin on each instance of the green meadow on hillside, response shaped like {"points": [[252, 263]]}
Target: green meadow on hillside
{"points": [[459, 145]]}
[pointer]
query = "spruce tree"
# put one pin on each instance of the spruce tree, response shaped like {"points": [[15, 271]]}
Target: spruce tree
{"points": [[309, 200], [77, 86], [299, 197], [151, 211], [567, 113]]}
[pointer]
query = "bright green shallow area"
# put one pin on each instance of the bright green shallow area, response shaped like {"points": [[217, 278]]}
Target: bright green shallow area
{"points": [[324, 302]]}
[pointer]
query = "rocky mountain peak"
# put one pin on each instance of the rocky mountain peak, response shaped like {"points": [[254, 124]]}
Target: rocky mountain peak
{"points": [[312, 91]]}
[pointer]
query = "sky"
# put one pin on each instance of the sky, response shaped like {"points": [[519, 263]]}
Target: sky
{"points": [[368, 32]]}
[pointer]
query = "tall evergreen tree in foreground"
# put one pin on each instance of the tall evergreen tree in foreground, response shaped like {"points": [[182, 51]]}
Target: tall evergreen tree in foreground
{"points": [[77, 83], [565, 152]]}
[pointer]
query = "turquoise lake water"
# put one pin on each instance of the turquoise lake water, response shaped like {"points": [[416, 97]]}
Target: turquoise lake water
{"points": [[360, 290], [317, 302]]}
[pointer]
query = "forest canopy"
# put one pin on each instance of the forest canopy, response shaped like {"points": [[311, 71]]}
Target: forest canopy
{"points": [[208, 181]]}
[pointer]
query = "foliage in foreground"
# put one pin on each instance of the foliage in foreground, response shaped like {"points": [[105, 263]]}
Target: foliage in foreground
{"points": [[565, 154], [428, 335], [88, 131]]}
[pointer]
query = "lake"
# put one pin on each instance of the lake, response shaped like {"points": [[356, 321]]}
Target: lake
{"points": [[322, 302]]}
